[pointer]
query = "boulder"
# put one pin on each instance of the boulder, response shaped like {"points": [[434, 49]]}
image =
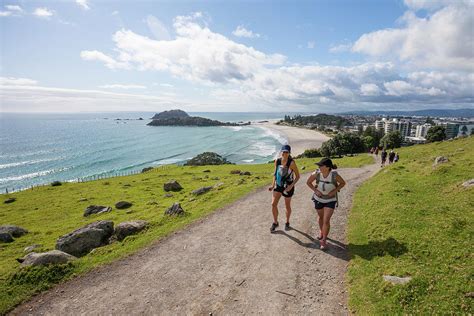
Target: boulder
{"points": [[45, 258], [245, 173], [468, 183], [96, 209], [122, 205], [15, 231], [31, 248], [125, 229], [207, 158], [9, 200], [81, 241], [147, 169], [56, 183], [202, 190], [396, 280], [440, 160], [175, 209], [207, 170], [5, 237], [172, 185], [235, 172]]}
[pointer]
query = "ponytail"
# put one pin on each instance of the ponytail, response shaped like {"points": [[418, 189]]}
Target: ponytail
{"points": [[334, 167]]}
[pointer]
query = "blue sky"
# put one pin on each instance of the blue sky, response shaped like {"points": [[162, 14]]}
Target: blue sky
{"points": [[91, 55]]}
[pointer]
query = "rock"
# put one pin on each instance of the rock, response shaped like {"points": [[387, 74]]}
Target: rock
{"points": [[122, 205], [83, 240], [82, 200], [147, 169], [168, 195], [15, 231], [172, 185], [440, 160], [125, 229], [56, 183], [129, 212], [303, 168], [170, 114], [235, 172], [9, 200], [245, 173], [396, 280], [202, 190], [96, 209], [468, 183], [218, 185], [207, 170], [31, 248], [175, 209], [5, 237], [207, 158], [45, 258]]}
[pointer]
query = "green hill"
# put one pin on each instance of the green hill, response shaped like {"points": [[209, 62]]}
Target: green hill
{"points": [[415, 219]]}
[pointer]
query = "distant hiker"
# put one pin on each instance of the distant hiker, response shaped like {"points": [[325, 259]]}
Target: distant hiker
{"points": [[391, 157], [377, 151], [372, 150], [284, 179], [328, 183], [383, 155], [397, 157]]}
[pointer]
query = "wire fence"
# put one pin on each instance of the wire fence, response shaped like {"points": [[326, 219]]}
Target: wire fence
{"points": [[95, 177]]}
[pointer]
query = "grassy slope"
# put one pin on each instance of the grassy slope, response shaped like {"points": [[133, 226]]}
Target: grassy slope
{"points": [[49, 212], [415, 220]]}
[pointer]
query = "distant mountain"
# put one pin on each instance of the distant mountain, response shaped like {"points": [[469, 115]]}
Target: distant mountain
{"points": [[430, 112], [181, 118]]}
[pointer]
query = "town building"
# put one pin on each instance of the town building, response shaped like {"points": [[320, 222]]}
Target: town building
{"points": [[422, 130]]}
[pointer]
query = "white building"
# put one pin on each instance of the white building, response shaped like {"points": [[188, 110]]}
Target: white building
{"points": [[422, 130], [380, 125]]}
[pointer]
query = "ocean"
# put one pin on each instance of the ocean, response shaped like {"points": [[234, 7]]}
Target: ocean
{"points": [[41, 148]]}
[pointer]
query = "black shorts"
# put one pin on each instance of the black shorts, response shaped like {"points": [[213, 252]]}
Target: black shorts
{"points": [[319, 205], [282, 189]]}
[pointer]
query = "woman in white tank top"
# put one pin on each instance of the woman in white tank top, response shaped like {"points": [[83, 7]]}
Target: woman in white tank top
{"points": [[328, 183]]}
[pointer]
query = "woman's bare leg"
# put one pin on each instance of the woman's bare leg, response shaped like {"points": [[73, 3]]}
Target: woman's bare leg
{"points": [[327, 222], [288, 208], [275, 199]]}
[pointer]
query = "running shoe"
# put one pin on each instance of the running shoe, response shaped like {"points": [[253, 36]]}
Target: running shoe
{"points": [[287, 226], [274, 226]]}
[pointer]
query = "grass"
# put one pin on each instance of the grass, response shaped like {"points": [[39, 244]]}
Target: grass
{"points": [[413, 219], [49, 212]]}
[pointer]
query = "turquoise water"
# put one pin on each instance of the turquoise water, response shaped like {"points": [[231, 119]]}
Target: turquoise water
{"points": [[41, 148]]}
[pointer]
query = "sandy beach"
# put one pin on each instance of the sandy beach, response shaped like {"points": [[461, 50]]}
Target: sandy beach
{"points": [[299, 139]]}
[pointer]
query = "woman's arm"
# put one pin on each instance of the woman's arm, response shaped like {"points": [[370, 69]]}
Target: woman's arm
{"points": [[273, 180], [313, 188], [340, 184], [297, 175]]}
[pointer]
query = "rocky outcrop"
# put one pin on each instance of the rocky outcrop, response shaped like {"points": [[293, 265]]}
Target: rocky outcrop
{"points": [[125, 229], [440, 160], [147, 169], [170, 114], [181, 118], [56, 183], [15, 231], [122, 205], [6, 237], [31, 248], [202, 190], [45, 258], [468, 183], [172, 185], [175, 209], [96, 209], [81, 241], [9, 200], [245, 173], [207, 158]]}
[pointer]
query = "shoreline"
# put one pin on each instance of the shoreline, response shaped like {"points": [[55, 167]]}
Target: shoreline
{"points": [[298, 138]]}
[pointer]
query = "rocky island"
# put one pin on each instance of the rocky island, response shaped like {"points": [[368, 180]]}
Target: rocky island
{"points": [[181, 118]]}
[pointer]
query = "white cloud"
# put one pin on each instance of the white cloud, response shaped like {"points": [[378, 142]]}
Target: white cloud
{"points": [[241, 31], [369, 89], [83, 4], [157, 28], [340, 48], [442, 40], [311, 44], [115, 12], [5, 13], [107, 60], [17, 81], [166, 85], [122, 86], [15, 8], [43, 13]]}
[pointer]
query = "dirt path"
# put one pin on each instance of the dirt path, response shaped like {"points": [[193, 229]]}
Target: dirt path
{"points": [[228, 263]]}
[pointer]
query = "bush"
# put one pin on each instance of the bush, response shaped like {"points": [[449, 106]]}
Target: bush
{"points": [[391, 140], [310, 153], [343, 144], [436, 134]]}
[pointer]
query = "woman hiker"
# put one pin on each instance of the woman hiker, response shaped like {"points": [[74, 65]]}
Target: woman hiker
{"points": [[284, 179], [328, 183]]}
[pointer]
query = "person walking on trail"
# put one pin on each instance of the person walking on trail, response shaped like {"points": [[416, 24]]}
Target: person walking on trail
{"points": [[328, 183], [376, 151], [284, 179], [397, 157], [391, 157], [383, 155]]}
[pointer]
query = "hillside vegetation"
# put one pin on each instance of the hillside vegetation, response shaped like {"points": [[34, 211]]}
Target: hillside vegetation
{"points": [[415, 219], [52, 211]]}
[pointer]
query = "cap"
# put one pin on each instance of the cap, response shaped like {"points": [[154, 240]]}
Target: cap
{"points": [[286, 148], [325, 162]]}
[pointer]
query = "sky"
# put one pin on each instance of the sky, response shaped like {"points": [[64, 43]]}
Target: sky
{"points": [[236, 56]]}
